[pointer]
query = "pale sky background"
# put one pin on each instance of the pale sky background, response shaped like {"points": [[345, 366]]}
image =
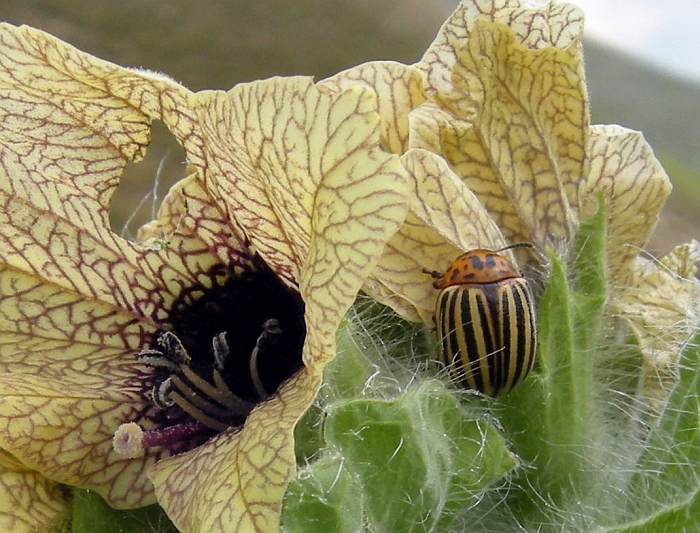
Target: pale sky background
{"points": [[663, 32]]}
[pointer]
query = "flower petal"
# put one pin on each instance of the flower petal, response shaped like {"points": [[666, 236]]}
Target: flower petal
{"points": [[556, 25], [347, 201], [28, 501], [64, 308], [635, 186], [399, 89], [542, 81], [445, 219], [359, 205], [64, 431], [517, 115], [661, 304], [77, 301], [266, 147], [236, 482]]}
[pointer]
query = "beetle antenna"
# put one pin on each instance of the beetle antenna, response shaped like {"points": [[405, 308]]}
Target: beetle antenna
{"points": [[516, 245]]}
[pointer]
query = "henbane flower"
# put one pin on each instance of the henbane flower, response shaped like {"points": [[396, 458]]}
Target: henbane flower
{"points": [[492, 130], [492, 126], [205, 340], [498, 109]]}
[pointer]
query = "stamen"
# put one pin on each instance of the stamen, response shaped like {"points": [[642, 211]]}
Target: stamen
{"points": [[161, 394], [225, 398], [156, 359], [271, 328], [221, 350], [237, 405], [173, 348], [194, 367], [191, 396], [198, 415]]}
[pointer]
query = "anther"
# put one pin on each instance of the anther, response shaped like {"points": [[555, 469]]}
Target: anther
{"points": [[173, 348], [220, 349], [161, 394], [170, 357], [156, 359]]}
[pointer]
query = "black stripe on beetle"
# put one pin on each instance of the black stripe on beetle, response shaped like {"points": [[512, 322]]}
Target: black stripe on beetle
{"points": [[486, 323]]}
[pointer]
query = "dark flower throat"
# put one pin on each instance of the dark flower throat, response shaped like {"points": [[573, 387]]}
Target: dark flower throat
{"points": [[228, 347]]}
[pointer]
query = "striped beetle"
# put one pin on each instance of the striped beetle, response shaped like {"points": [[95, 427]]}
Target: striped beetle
{"points": [[485, 320]]}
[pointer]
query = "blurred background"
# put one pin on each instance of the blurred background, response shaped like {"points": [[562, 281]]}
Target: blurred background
{"points": [[214, 44]]}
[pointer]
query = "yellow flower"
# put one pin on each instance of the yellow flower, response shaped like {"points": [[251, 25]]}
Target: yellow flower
{"points": [[497, 109], [290, 198], [661, 305]]}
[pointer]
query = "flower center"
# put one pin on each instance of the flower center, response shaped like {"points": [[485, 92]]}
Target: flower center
{"points": [[228, 346]]}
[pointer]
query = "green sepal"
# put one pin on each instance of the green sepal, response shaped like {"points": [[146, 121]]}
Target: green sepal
{"points": [[681, 516], [553, 417], [323, 498], [411, 463], [666, 483]]}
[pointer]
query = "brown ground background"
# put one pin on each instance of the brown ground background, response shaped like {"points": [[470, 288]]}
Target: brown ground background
{"points": [[214, 44]]}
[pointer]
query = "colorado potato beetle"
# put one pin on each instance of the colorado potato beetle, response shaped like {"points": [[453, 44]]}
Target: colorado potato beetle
{"points": [[485, 321]]}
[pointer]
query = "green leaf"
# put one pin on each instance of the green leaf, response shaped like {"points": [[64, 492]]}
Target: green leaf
{"points": [[308, 434], [553, 417], [348, 373], [417, 458], [91, 514], [664, 492], [681, 516], [396, 453], [668, 470], [412, 463], [374, 346], [589, 261], [323, 499]]}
